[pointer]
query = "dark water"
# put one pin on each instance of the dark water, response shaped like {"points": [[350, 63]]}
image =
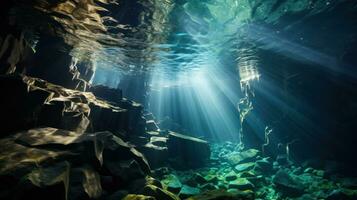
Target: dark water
{"points": [[221, 70], [281, 65]]}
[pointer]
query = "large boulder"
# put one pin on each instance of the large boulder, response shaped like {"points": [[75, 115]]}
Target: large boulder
{"points": [[155, 151], [187, 151]]}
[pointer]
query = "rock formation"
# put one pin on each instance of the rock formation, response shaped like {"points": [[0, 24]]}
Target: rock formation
{"points": [[73, 143]]}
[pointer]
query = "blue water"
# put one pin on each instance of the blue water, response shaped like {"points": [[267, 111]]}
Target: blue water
{"points": [[226, 68]]}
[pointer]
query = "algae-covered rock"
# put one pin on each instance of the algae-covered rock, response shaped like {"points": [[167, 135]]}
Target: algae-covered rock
{"points": [[236, 158], [208, 186], [158, 193], [244, 167], [187, 191], [288, 184], [198, 178], [263, 166], [137, 197], [172, 183], [320, 173], [152, 181], [231, 176], [241, 184], [211, 178]]}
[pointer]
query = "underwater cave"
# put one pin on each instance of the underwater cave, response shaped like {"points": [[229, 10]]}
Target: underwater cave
{"points": [[178, 99]]}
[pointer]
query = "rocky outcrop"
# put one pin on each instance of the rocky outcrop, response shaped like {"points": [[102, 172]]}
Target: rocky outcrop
{"points": [[71, 163], [56, 140], [34, 102], [70, 142]]}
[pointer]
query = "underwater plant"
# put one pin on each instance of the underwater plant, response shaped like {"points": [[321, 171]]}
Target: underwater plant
{"points": [[267, 132]]}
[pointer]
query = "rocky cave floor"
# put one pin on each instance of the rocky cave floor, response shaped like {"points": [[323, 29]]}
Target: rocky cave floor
{"points": [[58, 143], [245, 174]]}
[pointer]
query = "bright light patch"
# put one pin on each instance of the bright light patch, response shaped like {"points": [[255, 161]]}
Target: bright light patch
{"points": [[202, 101]]}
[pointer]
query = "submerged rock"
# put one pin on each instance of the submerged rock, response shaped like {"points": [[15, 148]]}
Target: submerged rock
{"points": [[156, 151], [159, 193], [231, 176], [211, 178], [287, 184], [187, 151], [349, 183], [187, 191], [306, 197], [263, 166], [152, 126], [236, 158], [208, 186], [241, 184], [342, 194], [172, 183], [137, 197], [244, 167], [223, 195]]}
